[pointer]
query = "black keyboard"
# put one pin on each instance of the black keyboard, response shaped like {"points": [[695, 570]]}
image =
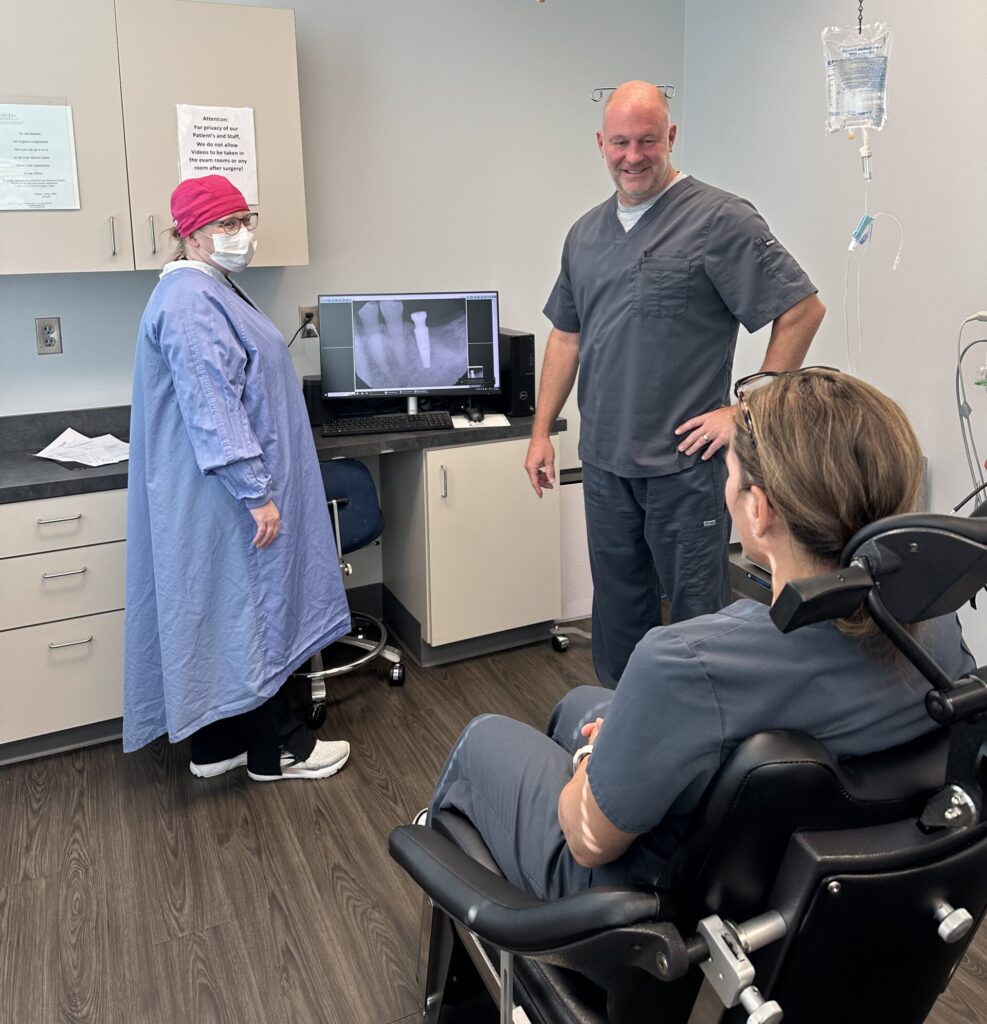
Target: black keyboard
{"points": [[387, 423]]}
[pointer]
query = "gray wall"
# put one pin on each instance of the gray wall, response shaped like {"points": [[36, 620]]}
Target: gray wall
{"points": [[754, 108], [448, 144]]}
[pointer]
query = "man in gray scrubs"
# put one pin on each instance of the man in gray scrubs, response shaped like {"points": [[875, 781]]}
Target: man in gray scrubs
{"points": [[653, 284]]}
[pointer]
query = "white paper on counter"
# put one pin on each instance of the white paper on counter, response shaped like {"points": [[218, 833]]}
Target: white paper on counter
{"points": [[71, 446]]}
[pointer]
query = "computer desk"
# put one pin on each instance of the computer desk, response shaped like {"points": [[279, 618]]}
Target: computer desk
{"points": [[361, 446], [470, 558], [472, 571]]}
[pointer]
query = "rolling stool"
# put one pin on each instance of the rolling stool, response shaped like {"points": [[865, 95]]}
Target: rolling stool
{"points": [[357, 521]]}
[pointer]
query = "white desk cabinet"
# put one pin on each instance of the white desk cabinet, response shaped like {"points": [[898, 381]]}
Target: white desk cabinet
{"points": [[123, 67], [61, 613], [468, 549]]}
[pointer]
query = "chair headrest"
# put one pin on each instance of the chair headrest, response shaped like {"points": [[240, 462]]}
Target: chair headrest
{"points": [[923, 566]]}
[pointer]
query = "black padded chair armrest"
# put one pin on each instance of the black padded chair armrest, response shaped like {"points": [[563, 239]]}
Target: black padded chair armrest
{"points": [[502, 914]]}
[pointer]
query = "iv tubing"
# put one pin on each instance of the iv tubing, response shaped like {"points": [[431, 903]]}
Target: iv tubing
{"points": [[963, 410]]}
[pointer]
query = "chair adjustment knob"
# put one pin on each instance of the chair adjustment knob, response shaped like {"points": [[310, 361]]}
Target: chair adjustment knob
{"points": [[954, 924], [759, 1011]]}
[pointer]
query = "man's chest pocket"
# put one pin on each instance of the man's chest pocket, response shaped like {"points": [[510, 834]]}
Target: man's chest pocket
{"points": [[661, 287]]}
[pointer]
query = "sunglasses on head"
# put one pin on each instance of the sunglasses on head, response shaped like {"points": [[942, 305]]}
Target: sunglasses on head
{"points": [[745, 385]]}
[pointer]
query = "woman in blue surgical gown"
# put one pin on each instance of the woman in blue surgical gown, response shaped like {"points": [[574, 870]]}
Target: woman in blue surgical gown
{"points": [[232, 574]]}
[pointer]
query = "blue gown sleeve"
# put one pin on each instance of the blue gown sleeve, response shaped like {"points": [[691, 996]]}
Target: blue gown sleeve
{"points": [[208, 368]]}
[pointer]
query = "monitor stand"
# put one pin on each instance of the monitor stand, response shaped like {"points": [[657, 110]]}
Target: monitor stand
{"points": [[412, 406]]}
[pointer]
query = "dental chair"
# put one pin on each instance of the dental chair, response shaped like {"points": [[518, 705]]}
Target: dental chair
{"points": [[357, 521], [805, 887]]}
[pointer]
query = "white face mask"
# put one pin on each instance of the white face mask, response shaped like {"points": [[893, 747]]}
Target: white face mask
{"points": [[234, 252]]}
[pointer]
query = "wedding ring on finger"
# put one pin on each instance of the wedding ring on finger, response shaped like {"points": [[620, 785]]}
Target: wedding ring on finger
{"points": [[706, 438]]}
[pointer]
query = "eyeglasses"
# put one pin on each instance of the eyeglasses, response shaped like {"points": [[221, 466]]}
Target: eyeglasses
{"points": [[743, 388], [231, 225]]}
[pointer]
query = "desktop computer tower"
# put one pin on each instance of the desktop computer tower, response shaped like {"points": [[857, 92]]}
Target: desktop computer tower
{"points": [[517, 374], [312, 390]]}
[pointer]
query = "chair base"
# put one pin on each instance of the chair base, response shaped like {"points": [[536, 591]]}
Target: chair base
{"points": [[368, 638]]}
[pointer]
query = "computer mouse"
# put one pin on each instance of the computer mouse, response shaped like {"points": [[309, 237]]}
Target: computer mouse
{"points": [[472, 414]]}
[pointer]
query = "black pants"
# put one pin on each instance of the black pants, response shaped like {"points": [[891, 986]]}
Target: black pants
{"points": [[263, 733]]}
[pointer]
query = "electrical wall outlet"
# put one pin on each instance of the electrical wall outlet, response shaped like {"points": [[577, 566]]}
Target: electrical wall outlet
{"points": [[48, 332], [303, 313]]}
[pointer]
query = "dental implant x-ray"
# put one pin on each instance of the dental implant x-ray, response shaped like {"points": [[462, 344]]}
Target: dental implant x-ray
{"points": [[403, 345]]}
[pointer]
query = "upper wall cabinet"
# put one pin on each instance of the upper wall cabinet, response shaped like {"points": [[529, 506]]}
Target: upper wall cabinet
{"points": [[66, 53], [213, 55], [124, 68]]}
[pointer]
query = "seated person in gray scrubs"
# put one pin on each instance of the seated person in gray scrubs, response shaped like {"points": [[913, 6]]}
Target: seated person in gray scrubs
{"points": [[815, 456]]}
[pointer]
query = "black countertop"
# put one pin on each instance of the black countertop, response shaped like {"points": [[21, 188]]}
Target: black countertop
{"points": [[359, 446], [24, 477]]}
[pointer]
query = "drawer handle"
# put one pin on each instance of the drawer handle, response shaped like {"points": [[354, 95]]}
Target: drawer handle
{"points": [[71, 643], [59, 575], [63, 519], [444, 476]]}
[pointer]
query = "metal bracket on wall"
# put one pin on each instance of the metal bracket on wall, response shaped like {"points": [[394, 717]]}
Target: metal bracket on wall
{"points": [[600, 93]]}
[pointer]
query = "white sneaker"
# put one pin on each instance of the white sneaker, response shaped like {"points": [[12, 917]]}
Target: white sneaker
{"points": [[325, 760], [208, 771]]}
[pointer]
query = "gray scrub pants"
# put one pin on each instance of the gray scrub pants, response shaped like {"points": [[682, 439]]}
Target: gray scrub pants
{"points": [[650, 536], [506, 777]]}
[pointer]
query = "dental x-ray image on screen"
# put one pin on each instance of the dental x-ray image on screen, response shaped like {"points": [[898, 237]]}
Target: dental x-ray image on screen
{"points": [[399, 345], [439, 342]]}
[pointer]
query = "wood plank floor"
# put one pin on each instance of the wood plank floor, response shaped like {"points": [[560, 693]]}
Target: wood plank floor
{"points": [[132, 892]]}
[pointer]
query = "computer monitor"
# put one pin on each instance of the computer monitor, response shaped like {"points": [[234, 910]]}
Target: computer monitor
{"points": [[409, 345]]}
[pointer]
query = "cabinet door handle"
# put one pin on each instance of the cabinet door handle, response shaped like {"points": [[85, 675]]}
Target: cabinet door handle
{"points": [[113, 238], [62, 519], [71, 643], [444, 477], [154, 242], [59, 575]]}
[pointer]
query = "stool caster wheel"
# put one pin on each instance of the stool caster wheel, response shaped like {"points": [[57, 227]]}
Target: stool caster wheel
{"points": [[315, 717], [396, 675], [560, 643]]}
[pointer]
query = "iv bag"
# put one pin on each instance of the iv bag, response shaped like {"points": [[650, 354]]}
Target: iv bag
{"points": [[857, 76]]}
